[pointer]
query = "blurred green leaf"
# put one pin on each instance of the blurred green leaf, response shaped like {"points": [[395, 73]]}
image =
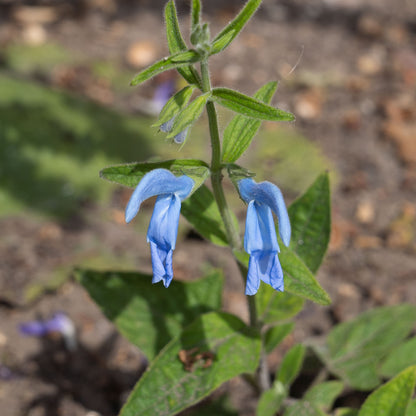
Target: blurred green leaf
{"points": [[248, 106], [411, 409], [227, 35], [271, 400], [299, 279], [354, 349], [310, 217], [240, 131], [392, 398], [171, 62], [324, 394], [195, 13], [217, 347], [303, 408], [400, 358], [202, 213], [346, 411], [177, 44], [275, 335], [175, 105], [291, 365], [131, 174], [148, 315], [188, 115]]}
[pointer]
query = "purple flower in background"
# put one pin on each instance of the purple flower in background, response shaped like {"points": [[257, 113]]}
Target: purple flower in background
{"points": [[260, 239], [163, 227], [163, 92], [59, 323]]}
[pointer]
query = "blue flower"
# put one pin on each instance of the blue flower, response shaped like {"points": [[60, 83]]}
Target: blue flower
{"points": [[163, 227], [260, 239], [167, 127]]}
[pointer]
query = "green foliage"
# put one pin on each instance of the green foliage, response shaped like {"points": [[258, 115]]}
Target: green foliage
{"points": [[195, 13], [276, 334], [175, 104], [411, 409], [149, 315], [202, 213], [271, 400], [291, 365], [354, 349], [176, 43], [216, 347], [189, 115], [303, 408], [240, 131], [324, 394], [249, 106], [131, 174], [230, 32], [310, 216], [400, 358], [174, 61], [392, 398]]}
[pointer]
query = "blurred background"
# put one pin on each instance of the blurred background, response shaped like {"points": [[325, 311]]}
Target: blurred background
{"points": [[346, 69]]}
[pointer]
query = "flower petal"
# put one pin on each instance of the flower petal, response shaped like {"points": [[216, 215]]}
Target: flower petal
{"points": [[157, 182], [167, 127], [181, 137], [268, 194], [161, 264], [260, 232], [264, 265], [163, 227]]}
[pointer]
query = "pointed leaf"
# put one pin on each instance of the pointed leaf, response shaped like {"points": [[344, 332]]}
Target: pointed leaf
{"points": [[291, 365], [298, 278], [202, 212], [149, 315], [175, 105], [248, 106], [132, 173], [240, 131], [214, 348], [303, 408], [392, 398], [174, 61], [354, 348], [227, 35], [324, 394], [275, 335], [189, 115], [310, 216], [400, 358], [177, 44], [195, 13]]}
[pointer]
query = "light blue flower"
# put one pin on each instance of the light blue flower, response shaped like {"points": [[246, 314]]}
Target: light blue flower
{"points": [[260, 239], [163, 227], [167, 127]]}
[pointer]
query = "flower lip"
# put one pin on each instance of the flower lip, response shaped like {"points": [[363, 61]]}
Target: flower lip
{"points": [[158, 182], [268, 194]]}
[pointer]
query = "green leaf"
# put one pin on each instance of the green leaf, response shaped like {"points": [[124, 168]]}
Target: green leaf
{"points": [[303, 408], [171, 62], [175, 105], [392, 398], [132, 173], [148, 315], [271, 400], [400, 358], [324, 394], [189, 115], [310, 217], [202, 213], [248, 106], [227, 35], [291, 365], [299, 279], [219, 346], [411, 409], [177, 44], [354, 349], [346, 411], [275, 335], [240, 131], [195, 13]]}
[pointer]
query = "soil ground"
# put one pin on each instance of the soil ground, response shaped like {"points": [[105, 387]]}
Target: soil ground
{"points": [[347, 69]]}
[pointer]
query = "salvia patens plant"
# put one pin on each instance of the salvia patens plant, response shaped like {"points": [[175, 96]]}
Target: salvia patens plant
{"points": [[192, 346]]}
